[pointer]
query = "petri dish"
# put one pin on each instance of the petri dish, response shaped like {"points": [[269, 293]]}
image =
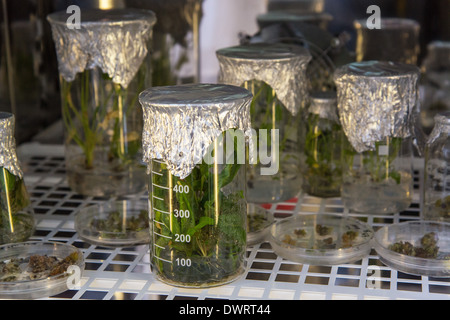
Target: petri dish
{"points": [[118, 223], [38, 269], [415, 247], [321, 239], [259, 221]]}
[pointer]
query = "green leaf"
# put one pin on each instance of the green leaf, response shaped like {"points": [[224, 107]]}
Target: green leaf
{"points": [[228, 173], [204, 221]]}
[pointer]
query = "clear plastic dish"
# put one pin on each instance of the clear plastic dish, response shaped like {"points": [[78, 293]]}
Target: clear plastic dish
{"points": [[400, 247], [114, 223], [321, 239], [33, 270], [259, 221]]}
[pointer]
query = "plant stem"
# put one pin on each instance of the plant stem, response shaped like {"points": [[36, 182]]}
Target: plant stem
{"points": [[8, 199]]}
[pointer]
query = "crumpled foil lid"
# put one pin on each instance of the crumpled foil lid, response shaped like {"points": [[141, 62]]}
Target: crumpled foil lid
{"points": [[324, 104], [113, 40], [181, 122], [376, 100], [441, 125], [281, 66], [8, 156]]}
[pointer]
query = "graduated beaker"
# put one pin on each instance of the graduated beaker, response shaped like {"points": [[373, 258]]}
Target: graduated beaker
{"points": [[103, 66], [17, 221], [276, 76], [195, 147]]}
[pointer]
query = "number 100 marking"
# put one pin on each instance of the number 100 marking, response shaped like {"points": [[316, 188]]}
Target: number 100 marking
{"points": [[182, 262]]}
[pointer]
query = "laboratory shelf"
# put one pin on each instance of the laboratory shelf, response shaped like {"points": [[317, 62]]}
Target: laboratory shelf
{"points": [[124, 273]]}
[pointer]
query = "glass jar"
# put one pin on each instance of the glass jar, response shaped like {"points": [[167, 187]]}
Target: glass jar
{"points": [[300, 6], [377, 101], [21, 88], [196, 161], [100, 85], [17, 222], [379, 181], [282, 180], [435, 89], [397, 40], [316, 19], [325, 143], [436, 191], [176, 41], [276, 76]]}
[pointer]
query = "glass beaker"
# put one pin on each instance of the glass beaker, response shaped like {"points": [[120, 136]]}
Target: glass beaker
{"points": [[397, 40], [196, 162], [276, 76], [379, 181], [325, 145], [436, 190], [283, 179], [176, 40], [300, 6], [21, 89], [17, 222], [435, 89], [377, 101], [320, 20], [103, 65]]}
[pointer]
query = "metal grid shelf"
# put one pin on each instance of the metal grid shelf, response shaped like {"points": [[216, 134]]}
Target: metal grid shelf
{"points": [[124, 273]]}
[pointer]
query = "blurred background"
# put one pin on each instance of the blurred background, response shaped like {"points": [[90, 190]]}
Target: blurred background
{"points": [[29, 81]]}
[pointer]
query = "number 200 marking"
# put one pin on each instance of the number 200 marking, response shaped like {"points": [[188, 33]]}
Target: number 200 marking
{"points": [[182, 238]]}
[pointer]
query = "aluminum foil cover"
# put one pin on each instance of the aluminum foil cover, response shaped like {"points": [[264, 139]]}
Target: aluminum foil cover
{"points": [[376, 100], [8, 156], [324, 104], [181, 122], [441, 125], [113, 40], [281, 66]]}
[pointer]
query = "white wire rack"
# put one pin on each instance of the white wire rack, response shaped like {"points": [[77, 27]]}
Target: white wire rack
{"points": [[124, 273]]}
